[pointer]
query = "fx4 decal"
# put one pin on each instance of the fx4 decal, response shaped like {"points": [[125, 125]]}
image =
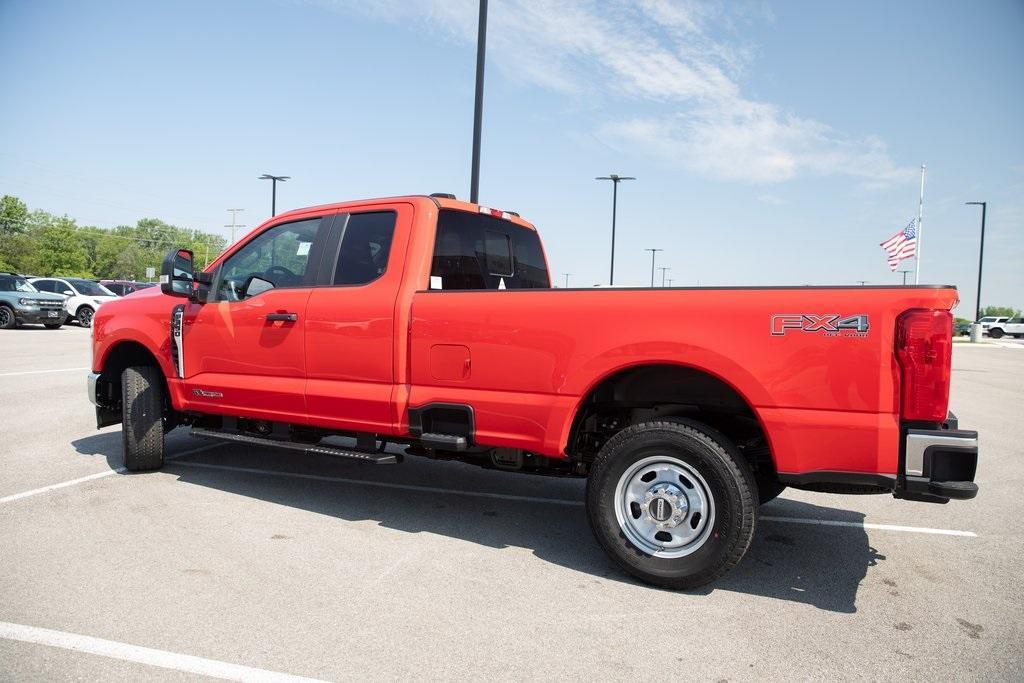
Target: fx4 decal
{"points": [[829, 324]]}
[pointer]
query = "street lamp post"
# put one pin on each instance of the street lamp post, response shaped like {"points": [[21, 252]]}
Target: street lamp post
{"points": [[616, 179], [663, 269], [981, 256], [478, 107], [905, 276], [274, 179], [670, 282], [567, 280], [653, 254]]}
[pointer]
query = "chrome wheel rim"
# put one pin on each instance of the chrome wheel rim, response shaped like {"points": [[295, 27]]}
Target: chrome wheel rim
{"points": [[85, 317], [664, 506]]}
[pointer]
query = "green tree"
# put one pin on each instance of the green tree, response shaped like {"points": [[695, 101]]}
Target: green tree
{"points": [[1000, 311], [13, 216]]}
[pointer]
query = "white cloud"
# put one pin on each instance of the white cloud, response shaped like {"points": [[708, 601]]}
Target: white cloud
{"points": [[667, 53]]}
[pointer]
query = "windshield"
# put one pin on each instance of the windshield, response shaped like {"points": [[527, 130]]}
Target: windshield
{"points": [[15, 283], [90, 288]]}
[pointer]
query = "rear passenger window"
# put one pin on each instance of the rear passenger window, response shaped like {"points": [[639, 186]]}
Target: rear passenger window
{"points": [[365, 247], [476, 251]]}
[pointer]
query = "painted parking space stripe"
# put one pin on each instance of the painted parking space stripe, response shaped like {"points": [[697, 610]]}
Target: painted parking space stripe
{"points": [[552, 501], [141, 655], [90, 477], [42, 372], [866, 525]]}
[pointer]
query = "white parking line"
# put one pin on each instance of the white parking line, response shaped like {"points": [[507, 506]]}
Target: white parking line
{"points": [[553, 501], [42, 372], [865, 525], [90, 477], [142, 655]]}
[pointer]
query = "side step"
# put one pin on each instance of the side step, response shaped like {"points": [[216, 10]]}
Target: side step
{"points": [[311, 448]]}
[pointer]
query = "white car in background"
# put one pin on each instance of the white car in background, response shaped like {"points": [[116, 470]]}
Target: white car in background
{"points": [[83, 296], [990, 320], [1011, 326]]}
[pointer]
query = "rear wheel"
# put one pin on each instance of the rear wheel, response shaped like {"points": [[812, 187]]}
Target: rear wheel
{"points": [[995, 333], [142, 428], [7, 320], [84, 316], [672, 502]]}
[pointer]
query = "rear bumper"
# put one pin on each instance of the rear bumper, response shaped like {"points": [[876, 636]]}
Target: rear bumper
{"points": [[938, 465]]}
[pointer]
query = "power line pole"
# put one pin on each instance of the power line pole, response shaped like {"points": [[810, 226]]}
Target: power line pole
{"points": [[478, 107], [663, 269], [653, 254], [234, 224], [905, 276], [616, 179], [274, 179], [567, 280], [670, 282]]}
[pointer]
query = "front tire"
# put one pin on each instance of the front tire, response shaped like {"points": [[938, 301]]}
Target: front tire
{"points": [[84, 316], [7, 319], [142, 428], [672, 502]]}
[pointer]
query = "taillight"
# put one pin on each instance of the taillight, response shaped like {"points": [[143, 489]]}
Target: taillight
{"points": [[924, 350]]}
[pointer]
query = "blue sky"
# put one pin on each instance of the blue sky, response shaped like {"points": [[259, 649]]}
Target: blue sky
{"points": [[774, 143]]}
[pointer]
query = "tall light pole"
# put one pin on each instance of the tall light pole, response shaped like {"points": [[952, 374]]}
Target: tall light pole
{"points": [[663, 269], [478, 108], [670, 282], [567, 280], [981, 255], [616, 179], [234, 224], [274, 179], [654, 252], [905, 276]]}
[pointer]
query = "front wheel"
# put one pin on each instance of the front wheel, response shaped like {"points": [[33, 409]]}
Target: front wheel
{"points": [[7, 319], [672, 502], [142, 428], [995, 333]]}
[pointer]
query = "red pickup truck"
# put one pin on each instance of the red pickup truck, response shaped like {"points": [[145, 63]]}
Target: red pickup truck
{"points": [[431, 323]]}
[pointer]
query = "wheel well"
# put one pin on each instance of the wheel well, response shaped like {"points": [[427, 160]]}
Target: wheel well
{"points": [[87, 306], [648, 392], [123, 355]]}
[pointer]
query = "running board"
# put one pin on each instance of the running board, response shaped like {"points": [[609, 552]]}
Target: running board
{"points": [[311, 448]]}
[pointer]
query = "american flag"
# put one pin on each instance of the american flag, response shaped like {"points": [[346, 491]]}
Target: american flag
{"points": [[902, 245]]}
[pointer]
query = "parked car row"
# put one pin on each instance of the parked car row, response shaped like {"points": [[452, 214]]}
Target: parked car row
{"points": [[994, 326], [53, 301]]}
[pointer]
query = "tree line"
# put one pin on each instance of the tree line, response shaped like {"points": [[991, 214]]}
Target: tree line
{"points": [[40, 243]]}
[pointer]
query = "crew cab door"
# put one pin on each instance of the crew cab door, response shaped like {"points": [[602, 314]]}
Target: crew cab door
{"points": [[244, 350], [351, 323]]}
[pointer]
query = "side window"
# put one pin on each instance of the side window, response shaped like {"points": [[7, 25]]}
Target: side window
{"points": [[44, 285], [278, 257], [365, 247], [475, 251]]}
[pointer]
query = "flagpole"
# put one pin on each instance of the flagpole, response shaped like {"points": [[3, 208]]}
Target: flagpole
{"points": [[920, 218]]}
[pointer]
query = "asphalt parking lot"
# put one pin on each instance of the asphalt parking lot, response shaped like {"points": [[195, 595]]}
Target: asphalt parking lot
{"points": [[232, 557]]}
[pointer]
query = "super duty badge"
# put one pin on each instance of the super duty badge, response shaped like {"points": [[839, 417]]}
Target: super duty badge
{"points": [[829, 324]]}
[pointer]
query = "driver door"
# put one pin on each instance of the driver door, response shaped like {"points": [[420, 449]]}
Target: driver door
{"points": [[244, 350]]}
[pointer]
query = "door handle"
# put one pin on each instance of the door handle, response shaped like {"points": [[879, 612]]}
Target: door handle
{"points": [[283, 317]]}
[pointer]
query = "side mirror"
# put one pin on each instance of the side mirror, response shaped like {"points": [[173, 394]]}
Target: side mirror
{"points": [[176, 274], [68, 292]]}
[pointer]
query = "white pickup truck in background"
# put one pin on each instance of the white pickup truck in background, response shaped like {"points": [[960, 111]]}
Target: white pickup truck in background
{"points": [[1002, 326]]}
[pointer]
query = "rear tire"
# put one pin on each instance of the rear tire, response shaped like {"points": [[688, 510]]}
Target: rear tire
{"points": [[995, 333], [7, 319], [52, 326], [84, 316], [142, 427], [708, 491]]}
